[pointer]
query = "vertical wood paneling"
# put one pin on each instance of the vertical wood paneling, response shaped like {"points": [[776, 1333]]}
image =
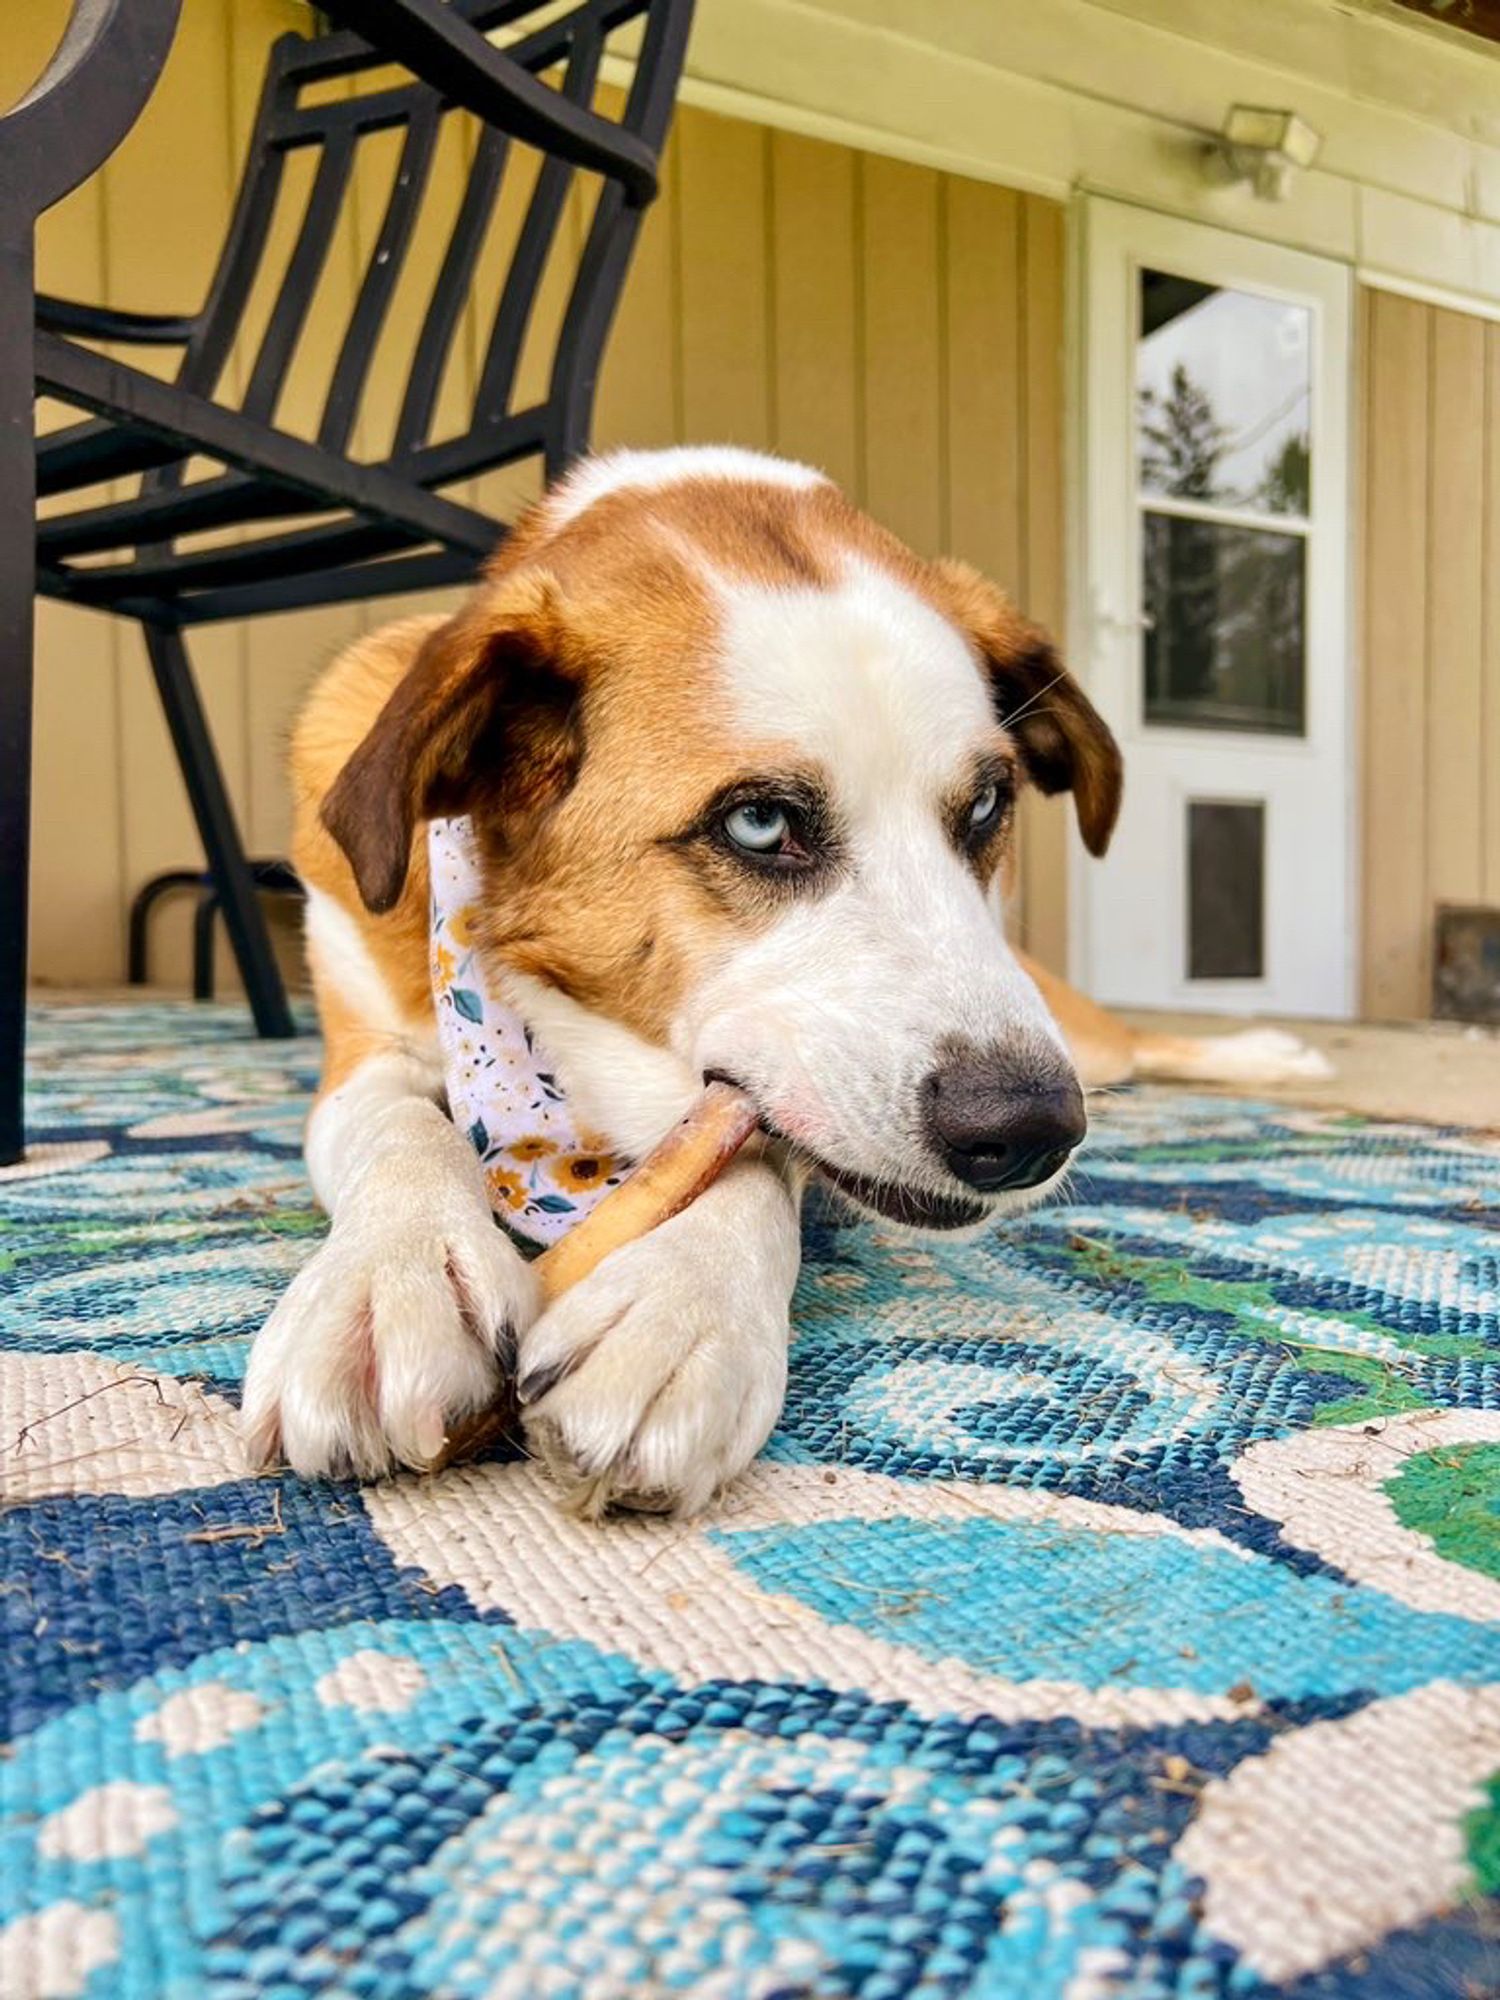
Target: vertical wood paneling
{"points": [[1455, 608], [178, 164], [1430, 391], [637, 402], [723, 280], [1489, 710], [1044, 827], [816, 349], [1396, 906], [1042, 409], [985, 377], [904, 363], [77, 923], [880, 320], [77, 883]]}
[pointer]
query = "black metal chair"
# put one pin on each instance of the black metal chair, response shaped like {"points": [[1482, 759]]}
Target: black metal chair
{"points": [[362, 529], [271, 877]]}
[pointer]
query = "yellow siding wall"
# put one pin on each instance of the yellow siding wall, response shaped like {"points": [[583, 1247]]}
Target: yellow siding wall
{"points": [[898, 326], [1431, 616]]}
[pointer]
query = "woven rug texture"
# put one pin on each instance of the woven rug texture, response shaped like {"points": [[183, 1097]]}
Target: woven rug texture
{"points": [[1114, 1615]]}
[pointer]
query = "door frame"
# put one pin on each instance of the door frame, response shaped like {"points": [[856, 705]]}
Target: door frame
{"points": [[1235, 260]]}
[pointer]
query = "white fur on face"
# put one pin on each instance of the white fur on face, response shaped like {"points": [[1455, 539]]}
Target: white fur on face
{"points": [[837, 1012]]}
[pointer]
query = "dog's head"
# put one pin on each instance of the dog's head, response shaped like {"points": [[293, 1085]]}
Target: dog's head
{"points": [[743, 772]]}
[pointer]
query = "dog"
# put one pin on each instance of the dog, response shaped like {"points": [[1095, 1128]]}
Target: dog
{"points": [[742, 772]]}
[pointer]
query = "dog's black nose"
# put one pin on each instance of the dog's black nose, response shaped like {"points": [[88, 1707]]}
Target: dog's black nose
{"points": [[998, 1124]]}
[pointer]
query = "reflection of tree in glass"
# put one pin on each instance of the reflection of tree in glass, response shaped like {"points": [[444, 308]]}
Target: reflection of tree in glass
{"points": [[1287, 485], [1224, 647], [1182, 443], [1181, 439], [1225, 603]]}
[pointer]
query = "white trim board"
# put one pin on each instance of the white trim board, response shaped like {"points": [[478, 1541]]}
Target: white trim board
{"points": [[1428, 295]]}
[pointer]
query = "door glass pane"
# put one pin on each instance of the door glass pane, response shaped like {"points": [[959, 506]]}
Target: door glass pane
{"points": [[1225, 612], [1223, 390], [1226, 847]]}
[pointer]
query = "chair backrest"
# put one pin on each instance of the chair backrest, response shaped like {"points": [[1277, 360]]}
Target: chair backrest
{"points": [[325, 107]]}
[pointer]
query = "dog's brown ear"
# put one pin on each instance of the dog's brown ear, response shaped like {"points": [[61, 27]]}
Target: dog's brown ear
{"points": [[489, 705], [1064, 742]]}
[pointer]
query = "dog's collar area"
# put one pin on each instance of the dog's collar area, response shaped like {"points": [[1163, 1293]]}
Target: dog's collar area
{"points": [[543, 1171]]}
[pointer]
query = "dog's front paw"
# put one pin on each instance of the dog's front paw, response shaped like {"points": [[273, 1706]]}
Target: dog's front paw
{"points": [[405, 1320], [653, 1382]]}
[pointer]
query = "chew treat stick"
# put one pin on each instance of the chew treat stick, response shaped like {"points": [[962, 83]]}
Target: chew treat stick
{"points": [[670, 1178]]}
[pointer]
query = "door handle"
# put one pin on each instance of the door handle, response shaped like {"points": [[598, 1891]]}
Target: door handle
{"points": [[1107, 619]]}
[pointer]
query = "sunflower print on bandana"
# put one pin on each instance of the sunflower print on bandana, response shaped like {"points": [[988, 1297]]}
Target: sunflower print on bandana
{"points": [[543, 1171]]}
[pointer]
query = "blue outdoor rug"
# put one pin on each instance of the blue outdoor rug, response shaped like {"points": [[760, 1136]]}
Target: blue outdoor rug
{"points": [[1116, 1611]]}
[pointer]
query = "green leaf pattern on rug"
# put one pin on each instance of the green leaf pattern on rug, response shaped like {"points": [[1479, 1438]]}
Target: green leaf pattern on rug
{"points": [[1482, 1840], [1453, 1497], [1381, 1387]]}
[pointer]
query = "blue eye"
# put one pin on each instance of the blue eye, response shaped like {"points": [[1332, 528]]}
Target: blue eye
{"points": [[984, 807], [760, 826]]}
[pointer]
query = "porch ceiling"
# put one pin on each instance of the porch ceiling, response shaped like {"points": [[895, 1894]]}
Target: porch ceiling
{"points": [[1474, 17]]}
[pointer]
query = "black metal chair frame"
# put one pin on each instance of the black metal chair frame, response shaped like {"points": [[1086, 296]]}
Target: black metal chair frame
{"points": [[270, 875], [376, 528]]}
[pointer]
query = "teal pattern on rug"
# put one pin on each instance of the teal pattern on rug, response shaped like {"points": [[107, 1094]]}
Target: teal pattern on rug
{"points": [[1115, 1614]]}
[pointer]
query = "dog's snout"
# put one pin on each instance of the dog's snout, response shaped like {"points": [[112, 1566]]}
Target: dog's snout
{"points": [[997, 1127]]}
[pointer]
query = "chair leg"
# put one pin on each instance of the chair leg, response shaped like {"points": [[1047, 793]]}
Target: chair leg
{"points": [[203, 945], [15, 834], [17, 632], [243, 917], [142, 904]]}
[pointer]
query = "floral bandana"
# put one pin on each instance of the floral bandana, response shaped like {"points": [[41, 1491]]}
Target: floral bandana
{"points": [[543, 1171]]}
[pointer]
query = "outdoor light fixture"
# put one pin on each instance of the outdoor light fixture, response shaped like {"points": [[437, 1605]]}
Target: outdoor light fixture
{"points": [[1264, 147]]}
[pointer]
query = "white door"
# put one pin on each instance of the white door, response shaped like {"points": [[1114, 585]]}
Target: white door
{"points": [[1215, 625]]}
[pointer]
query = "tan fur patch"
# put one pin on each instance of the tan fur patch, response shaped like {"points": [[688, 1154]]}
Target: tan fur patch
{"points": [[335, 720]]}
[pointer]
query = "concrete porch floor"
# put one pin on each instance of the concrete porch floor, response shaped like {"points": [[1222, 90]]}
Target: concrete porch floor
{"points": [[1441, 1072]]}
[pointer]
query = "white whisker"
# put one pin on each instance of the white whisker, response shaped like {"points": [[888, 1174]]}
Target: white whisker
{"points": [[1030, 703]]}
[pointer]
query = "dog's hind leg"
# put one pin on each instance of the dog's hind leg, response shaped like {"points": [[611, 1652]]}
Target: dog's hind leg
{"points": [[1102, 1047], [1264, 1057], [1106, 1050]]}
